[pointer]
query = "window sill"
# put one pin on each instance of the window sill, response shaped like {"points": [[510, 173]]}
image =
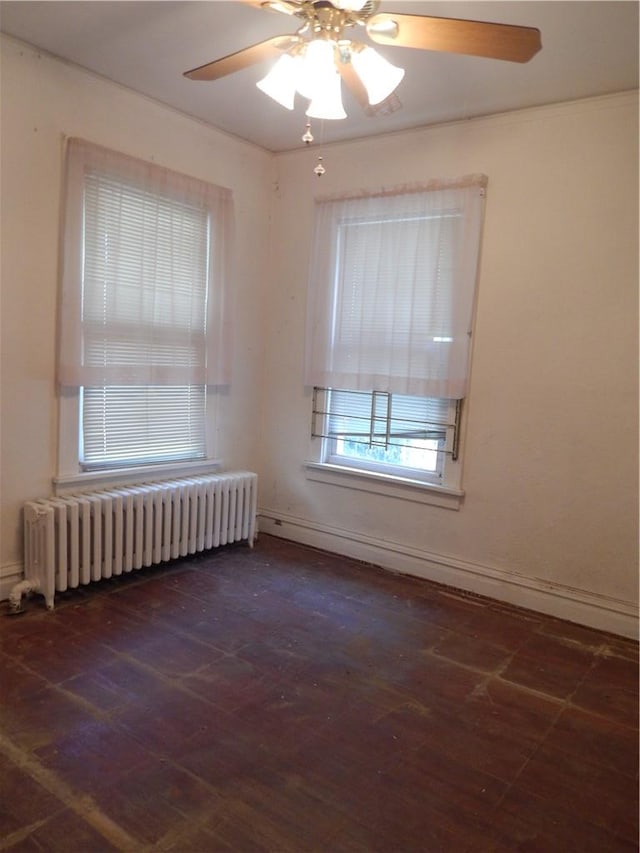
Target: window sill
{"points": [[87, 480], [384, 484]]}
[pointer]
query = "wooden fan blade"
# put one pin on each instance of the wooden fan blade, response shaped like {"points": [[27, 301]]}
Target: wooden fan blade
{"points": [[476, 38], [269, 49]]}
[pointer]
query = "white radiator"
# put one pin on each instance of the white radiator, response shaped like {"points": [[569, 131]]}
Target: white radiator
{"points": [[77, 539]]}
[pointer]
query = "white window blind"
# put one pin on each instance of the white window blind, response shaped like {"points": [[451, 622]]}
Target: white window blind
{"points": [[145, 276], [391, 289], [129, 425], [146, 267], [382, 419], [142, 320]]}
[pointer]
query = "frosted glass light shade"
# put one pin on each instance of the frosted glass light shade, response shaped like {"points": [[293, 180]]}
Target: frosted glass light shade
{"points": [[379, 77], [327, 100], [315, 64], [280, 82], [319, 81], [350, 5], [304, 80]]}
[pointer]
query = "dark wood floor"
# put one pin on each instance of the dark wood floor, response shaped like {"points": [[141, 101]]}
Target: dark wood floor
{"points": [[283, 699]]}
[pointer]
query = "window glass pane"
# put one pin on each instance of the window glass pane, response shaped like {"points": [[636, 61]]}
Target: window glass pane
{"points": [[422, 455], [392, 430]]}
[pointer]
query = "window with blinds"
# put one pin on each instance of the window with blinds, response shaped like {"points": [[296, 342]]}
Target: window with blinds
{"points": [[390, 310], [144, 306]]}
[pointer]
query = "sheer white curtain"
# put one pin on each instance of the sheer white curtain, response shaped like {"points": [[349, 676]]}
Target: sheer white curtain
{"points": [[145, 272], [392, 287]]}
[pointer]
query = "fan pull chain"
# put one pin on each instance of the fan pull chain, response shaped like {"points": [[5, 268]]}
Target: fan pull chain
{"points": [[307, 137]]}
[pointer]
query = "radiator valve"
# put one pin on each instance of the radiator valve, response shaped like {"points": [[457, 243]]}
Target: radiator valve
{"points": [[15, 596]]}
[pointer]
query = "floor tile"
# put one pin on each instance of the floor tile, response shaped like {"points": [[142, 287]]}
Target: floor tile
{"points": [[511, 630], [17, 680], [472, 652], [81, 654], [195, 840], [583, 790], [600, 740], [549, 665], [535, 824], [94, 756], [67, 831], [43, 717], [589, 638], [119, 683], [436, 681], [170, 721], [227, 631], [230, 683], [156, 799], [500, 751], [174, 656], [610, 688], [23, 800], [117, 629], [497, 704], [428, 788], [274, 812]]}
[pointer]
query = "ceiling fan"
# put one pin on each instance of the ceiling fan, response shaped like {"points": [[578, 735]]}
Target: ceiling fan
{"points": [[313, 60]]}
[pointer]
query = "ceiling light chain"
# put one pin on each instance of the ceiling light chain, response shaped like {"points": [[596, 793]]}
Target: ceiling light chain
{"points": [[307, 138]]}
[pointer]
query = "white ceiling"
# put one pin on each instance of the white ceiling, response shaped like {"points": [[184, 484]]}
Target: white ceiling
{"points": [[588, 48]]}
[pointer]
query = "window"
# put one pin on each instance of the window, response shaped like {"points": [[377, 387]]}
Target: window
{"points": [[387, 433], [391, 300], [142, 330]]}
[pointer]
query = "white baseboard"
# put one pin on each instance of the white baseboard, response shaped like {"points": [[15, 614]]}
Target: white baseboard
{"points": [[10, 575], [575, 605]]}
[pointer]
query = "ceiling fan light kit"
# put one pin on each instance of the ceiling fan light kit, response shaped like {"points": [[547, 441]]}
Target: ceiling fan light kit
{"points": [[313, 73], [316, 59]]}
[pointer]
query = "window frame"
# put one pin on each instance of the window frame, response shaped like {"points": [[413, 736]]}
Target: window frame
{"points": [[446, 493], [71, 472], [446, 473], [327, 366]]}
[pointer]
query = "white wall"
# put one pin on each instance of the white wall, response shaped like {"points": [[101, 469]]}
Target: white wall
{"points": [[549, 518], [42, 101]]}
